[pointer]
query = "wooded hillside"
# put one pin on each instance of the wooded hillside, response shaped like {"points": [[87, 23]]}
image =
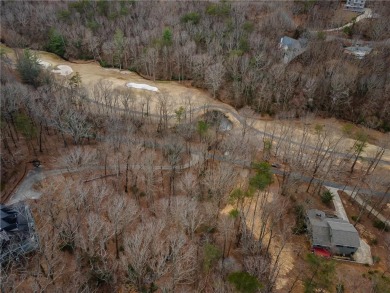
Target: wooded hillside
{"points": [[230, 48]]}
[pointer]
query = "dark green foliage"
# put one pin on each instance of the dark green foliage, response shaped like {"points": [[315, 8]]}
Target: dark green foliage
{"points": [[191, 17], [380, 282], [236, 195], [376, 259], [340, 288], [244, 282], [167, 37], [102, 7], [56, 43], [202, 128], [300, 225], [348, 31], [321, 274], [263, 177], [93, 25], [244, 44], [385, 127], [381, 225], [373, 241], [82, 6], [99, 274], [234, 213], [321, 36], [29, 68], [24, 124], [104, 64], [64, 15], [218, 9], [211, 255], [355, 219], [67, 242], [327, 197], [248, 26], [100, 277]]}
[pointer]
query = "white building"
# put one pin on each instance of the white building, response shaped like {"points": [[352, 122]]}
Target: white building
{"points": [[355, 5], [358, 51]]}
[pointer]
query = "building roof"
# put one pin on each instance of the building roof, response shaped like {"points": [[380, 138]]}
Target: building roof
{"points": [[17, 233], [321, 235], [290, 43], [358, 51], [328, 231], [344, 234]]}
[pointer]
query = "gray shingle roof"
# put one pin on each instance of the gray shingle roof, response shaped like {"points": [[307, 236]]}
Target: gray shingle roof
{"points": [[331, 231], [291, 43], [344, 234], [321, 235]]}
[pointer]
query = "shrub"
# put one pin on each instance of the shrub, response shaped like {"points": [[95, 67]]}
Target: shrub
{"points": [[25, 125], [376, 259], [64, 15], [28, 67], [355, 219], [56, 43], [167, 37], [373, 241], [381, 225], [340, 288], [218, 9], [300, 225], [321, 36], [99, 273], [244, 282], [234, 213], [327, 197], [248, 26], [211, 255], [348, 31], [192, 17]]}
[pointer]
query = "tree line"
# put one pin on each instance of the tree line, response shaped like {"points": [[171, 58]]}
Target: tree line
{"points": [[229, 48], [129, 214]]}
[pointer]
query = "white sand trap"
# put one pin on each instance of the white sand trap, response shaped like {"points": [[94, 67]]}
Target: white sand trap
{"points": [[44, 64], [63, 70], [142, 86]]}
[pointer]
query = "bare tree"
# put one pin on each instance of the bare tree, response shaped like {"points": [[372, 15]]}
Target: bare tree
{"points": [[214, 77], [122, 212]]}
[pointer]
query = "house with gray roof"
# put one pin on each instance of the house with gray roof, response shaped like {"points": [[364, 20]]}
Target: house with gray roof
{"points": [[17, 232], [291, 47], [331, 233], [355, 5], [358, 51]]}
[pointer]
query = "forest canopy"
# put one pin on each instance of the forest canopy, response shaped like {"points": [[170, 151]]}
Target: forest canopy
{"points": [[227, 47]]}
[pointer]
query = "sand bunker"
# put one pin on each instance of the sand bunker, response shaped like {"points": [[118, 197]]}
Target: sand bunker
{"points": [[142, 86], [44, 64], [63, 70]]}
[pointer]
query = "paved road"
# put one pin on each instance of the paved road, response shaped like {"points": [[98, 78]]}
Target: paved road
{"points": [[26, 189], [338, 204]]}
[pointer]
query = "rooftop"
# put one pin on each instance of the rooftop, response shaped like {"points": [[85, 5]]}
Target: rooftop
{"points": [[331, 231], [344, 234], [358, 51], [17, 232]]}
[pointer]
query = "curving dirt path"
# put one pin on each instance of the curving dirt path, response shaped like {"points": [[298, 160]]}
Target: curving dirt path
{"points": [[26, 189], [178, 95], [367, 14]]}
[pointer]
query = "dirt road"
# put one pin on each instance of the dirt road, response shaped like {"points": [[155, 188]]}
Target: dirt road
{"points": [[179, 95]]}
